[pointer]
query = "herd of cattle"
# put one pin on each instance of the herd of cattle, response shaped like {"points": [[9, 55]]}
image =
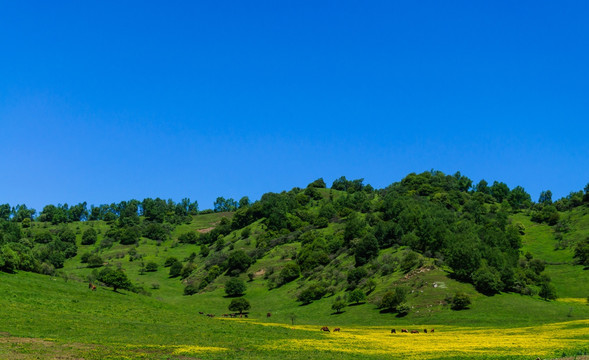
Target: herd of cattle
{"points": [[393, 331]]}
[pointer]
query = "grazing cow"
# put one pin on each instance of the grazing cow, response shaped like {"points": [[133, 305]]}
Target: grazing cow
{"points": [[393, 331], [336, 329], [268, 315], [245, 315], [325, 328], [200, 312], [425, 331], [90, 285], [431, 331], [414, 332], [93, 288], [404, 331]]}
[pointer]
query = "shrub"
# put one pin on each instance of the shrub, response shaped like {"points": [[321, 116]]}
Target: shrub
{"points": [[392, 299], [313, 292], [176, 269], [403, 309], [289, 272], [187, 270], [234, 287], [95, 261], [338, 305], [190, 289], [151, 266], [170, 261], [238, 260], [89, 237], [547, 291], [188, 238], [357, 296], [460, 301], [239, 304]]}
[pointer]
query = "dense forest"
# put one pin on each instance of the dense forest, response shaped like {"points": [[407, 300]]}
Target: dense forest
{"points": [[436, 220]]}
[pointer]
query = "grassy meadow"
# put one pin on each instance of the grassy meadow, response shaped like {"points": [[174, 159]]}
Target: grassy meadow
{"points": [[59, 317]]}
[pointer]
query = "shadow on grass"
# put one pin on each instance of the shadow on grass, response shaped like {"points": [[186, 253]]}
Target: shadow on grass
{"points": [[337, 313], [357, 304]]}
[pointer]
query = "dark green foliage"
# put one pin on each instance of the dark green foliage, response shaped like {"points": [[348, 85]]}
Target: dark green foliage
{"points": [[151, 266], [365, 250], [239, 304], [487, 280], [190, 289], [312, 292], [460, 301], [43, 237], [392, 299], [338, 305], [170, 261], [234, 287], [95, 261], [238, 261], [189, 237], [582, 252], [356, 296], [175, 269], [89, 237], [319, 183], [410, 261], [115, 278], [67, 235], [155, 231], [129, 236], [355, 227], [547, 291], [289, 272], [546, 213], [222, 204], [186, 270], [204, 251]]}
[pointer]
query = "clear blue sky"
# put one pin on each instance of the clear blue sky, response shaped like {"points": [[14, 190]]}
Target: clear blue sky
{"points": [[103, 101]]}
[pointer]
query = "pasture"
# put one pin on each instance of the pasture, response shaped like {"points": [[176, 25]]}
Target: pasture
{"points": [[44, 317]]}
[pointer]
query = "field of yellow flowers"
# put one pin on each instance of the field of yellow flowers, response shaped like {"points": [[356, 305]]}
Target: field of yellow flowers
{"points": [[535, 341]]}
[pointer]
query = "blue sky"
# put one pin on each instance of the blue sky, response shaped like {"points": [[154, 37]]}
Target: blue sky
{"points": [[103, 101]]}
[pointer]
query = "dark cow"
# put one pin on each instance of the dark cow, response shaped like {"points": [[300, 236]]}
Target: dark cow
{"points": [[425, 331], [268, 315], [404, 331], [431, 331], [245, 315], [325, 328], [336, 329], [393, 331], [414, 332], [200, 312], [90, 285]]}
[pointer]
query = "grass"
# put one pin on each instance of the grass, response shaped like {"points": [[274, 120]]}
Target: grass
{"points": [[48, 317]]}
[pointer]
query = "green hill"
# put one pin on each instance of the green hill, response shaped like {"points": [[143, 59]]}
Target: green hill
{"points": [[425, 239]]}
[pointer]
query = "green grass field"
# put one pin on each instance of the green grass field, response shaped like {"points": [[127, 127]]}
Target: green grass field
{"points": [[47, 317]]}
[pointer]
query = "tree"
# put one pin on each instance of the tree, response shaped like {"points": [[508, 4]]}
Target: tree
{"points": [[239, 304], [582, 252], [392, 299], [319, 183], [244, 202], [460, 301], [176, 269], [117, 279], [89, 237], [151, 266], [289, 272], [357, 296], [338, 305], [238, 261], [234, 287], [499, 191], [94, 261], [487, 280], [545, 197], [547, 291], [366, 249]]}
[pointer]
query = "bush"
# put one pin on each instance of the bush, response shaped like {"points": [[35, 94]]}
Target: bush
{"points": [[338, 305], [239, 304], [238, 260], [234, 287], [117, 279], [190, 289], [403, 309], [151, 266], [392, 299], [170, 261], [460, 301], [188, 238], [187, 270], [176, 269], [547, 291], [313, 292], [95, 261], [289, 272], [487, 280], [89, 237], [357, 296]]}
